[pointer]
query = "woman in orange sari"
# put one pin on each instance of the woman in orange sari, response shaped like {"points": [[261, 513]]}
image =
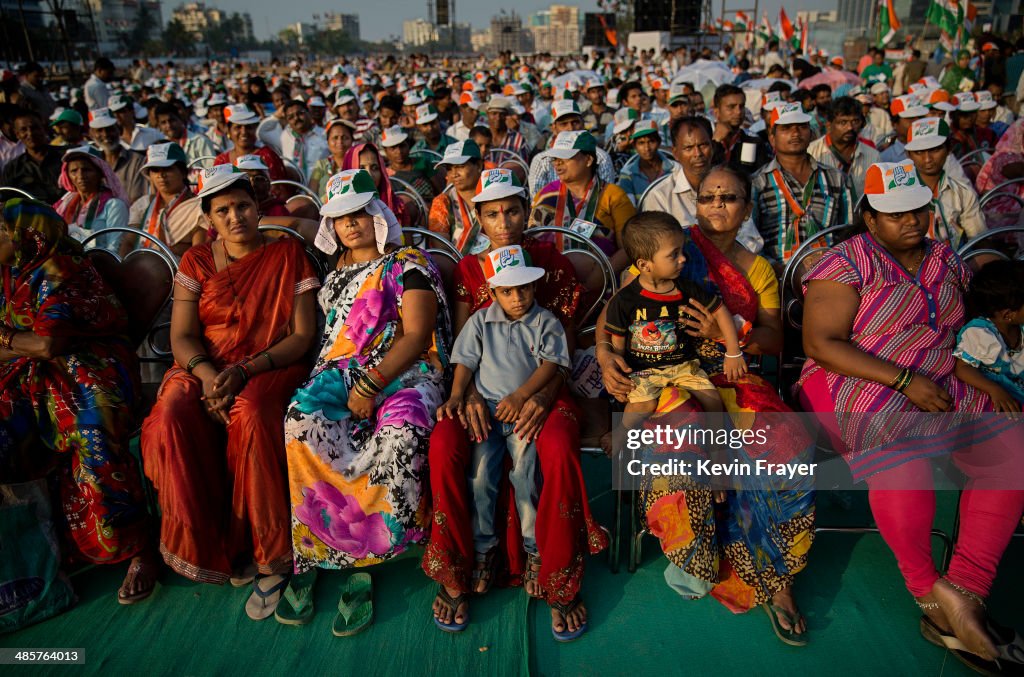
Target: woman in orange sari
{"points": [[242, 324]]}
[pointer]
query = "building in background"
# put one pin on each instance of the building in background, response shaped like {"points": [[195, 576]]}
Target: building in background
{"points": [[335, 21], [115, 20], [418, 32], [197, 18], [481, 40], [508, 34], [826, 32], [556, 29]]}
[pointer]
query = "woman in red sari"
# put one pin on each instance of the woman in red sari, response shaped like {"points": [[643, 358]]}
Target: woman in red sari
{"points": [[243, 322], [565, 528], [68, 391]]}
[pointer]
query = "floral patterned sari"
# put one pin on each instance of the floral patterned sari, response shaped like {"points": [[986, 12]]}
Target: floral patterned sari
{"points": [[357, 485]]}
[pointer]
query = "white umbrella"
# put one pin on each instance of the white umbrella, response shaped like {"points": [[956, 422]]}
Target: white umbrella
{"points": [[579, 76], [703, 72]]}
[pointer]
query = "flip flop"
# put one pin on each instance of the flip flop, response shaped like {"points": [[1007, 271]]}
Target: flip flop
{"points": [[243, 578], [355, 608], [296, 608], [260, 606], [453, 604], [134, 570], [566, 609], [932, 633], [788, 636]]}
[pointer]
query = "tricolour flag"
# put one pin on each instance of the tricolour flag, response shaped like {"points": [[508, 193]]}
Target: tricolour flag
{"points": [[765, 30], [742, 22], [786, 30], [888, 22], [946, 14], [804, 35]]}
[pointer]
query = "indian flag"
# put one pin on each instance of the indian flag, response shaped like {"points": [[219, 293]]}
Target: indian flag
{"points": [[888, 22], [804, 36], [765, 30], [742, 22], [946, 14], [786, 31]]}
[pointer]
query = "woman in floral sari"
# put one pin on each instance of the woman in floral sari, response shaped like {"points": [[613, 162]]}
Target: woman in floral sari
{"points": [[746, 550], [242, 324], [357, 429], [565, 528], [69, 385]]}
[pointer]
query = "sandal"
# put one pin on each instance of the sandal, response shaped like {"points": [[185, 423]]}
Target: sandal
{"points": [[355, 608], [452, 603], [484, 570], [262, 603], [1009, 643], [134, 569], [788, 636], [296, 608], [532, 574], [566, 609], [242, 578]]}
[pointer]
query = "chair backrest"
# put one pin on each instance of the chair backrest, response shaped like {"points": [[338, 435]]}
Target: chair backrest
{"points": [[503, 156], [657, 182], [143, 282], [314, 255], [406, 190], [441, 251], [586, 257], [1000, 191], [305, 190], [1005, 243]]}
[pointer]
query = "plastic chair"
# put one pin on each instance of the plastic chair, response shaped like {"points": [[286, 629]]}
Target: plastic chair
{"points": [[997, 192], [976, 246], [306, 191], [405, 189], [444, 254], [432, 155], [201, 158], [657, 182], [504, 155], [313, 254]]}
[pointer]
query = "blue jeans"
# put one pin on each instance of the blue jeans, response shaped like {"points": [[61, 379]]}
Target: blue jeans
{"points": [[485, 476]]}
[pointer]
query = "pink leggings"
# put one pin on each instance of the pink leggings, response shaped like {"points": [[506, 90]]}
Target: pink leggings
{"points": [[989, 510]]}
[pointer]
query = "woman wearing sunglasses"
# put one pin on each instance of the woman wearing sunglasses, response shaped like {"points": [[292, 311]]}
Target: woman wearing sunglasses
{"points": [[749, 554]]}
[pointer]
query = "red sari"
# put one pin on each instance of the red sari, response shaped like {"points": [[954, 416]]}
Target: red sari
{"points": [[223, 490], [565, 527]]}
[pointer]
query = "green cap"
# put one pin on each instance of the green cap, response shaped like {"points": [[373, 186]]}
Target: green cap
{"points": [[568, 144]]}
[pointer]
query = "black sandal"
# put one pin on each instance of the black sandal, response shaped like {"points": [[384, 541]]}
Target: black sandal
{"points": [[484, 570], [532, 574], [452, 603]]}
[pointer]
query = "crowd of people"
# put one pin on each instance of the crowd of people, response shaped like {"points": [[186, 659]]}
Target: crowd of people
{"points": [[314, 422]]}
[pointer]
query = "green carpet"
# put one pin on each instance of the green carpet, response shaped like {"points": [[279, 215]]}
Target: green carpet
{"points": [[862, 621]]}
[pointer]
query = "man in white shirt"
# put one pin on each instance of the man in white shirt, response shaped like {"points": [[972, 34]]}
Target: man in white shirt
{"points": [[840, 147], [138, 137], [677, 193], [905, 110], [97, 94], [302, 142], [194, 144], [469, 108]]}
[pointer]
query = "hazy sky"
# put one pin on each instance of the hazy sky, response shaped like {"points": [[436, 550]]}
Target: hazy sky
{"points": [[384, 17]]}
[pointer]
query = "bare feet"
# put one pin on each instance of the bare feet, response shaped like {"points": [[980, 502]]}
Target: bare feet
{"points": [[570, 622], [965, 617], [784, 600], [141, 578], [445, 613]]}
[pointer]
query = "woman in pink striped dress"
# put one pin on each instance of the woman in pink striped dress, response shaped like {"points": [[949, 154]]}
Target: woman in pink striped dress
{"points": [[882, 312]]}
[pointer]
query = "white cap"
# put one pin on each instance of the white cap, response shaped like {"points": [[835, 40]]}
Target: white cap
{"points": [[240, 114], [788, 114], [499, 103], [892, 187], [497, 184], [985, 100], [563, 107], [392, 136], [507, 267], [425, 113], [347, 192], [251, 162], [215, 179], [965, 102], [101, 117], [880, 88], [412, 99], [316, 102], [460, 153]]}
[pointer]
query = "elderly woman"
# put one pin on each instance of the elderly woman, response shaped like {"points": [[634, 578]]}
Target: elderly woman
{"points": [[565, 528], [452, 213], [242, 323], [579, 193], [357, 429], [750, 554], [340, 133], [173, 213], [95, 199], [881, 316], [69, 390], [368, 157]]}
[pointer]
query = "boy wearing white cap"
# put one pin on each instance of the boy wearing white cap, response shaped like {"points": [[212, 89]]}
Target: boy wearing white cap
{"points": [[428, 125], [510, 349]]}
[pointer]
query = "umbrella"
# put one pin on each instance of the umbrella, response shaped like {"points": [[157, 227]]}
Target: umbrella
{"points": [[765, 83], [831, 77], [580, 76], [703, 72]]}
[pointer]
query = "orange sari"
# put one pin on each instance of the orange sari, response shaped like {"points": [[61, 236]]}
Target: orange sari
{"points": [[223, 490]]}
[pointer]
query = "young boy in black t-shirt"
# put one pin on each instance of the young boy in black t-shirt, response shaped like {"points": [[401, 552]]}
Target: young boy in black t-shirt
{"points": [[647, 320]]}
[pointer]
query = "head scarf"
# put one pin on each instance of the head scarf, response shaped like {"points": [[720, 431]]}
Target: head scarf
{"points": [[387, 195], [38, 233], [386, 229], [70, 206]]}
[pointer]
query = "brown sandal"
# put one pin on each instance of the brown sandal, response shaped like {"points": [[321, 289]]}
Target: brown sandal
{"points": [[532, 574], [484, 570]]}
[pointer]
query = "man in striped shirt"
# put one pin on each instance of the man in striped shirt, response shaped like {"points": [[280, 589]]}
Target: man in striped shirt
{"points": [[794, 195], [841, 146]]}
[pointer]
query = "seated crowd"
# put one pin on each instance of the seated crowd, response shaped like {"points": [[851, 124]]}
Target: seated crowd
{"points": [[314, 422]]}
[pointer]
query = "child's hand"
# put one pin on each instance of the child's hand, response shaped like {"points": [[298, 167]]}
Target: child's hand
{"points": [[450, 409], [735, 367], [1003, 402], [508, 409]]}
